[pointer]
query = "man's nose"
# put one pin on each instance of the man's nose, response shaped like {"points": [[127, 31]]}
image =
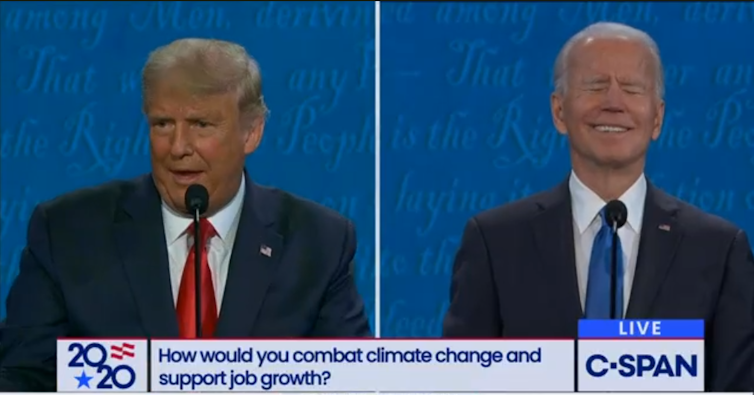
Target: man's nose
{"points": [[614, 99], [182, 144]]}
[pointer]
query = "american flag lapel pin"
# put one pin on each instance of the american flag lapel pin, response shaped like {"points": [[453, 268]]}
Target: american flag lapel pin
{"points": [[265, 250], [664, 227]]}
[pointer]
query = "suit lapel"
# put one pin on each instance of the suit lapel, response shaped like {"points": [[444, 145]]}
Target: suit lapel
{"points": [[660, 237], [140, 237], [553, 230], [254, 261]]}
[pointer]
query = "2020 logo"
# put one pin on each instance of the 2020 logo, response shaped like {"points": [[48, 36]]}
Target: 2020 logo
{"points": [[105, 363]]}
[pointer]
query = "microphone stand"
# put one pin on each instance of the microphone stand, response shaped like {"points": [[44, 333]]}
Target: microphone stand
{"points": [[198, 274], [614, 271]]}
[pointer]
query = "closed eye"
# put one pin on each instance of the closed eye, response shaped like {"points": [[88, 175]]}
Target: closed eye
{"points": [[596, 87], [634, 90]]}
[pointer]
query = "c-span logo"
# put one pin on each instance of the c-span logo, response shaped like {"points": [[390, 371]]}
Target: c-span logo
{"points": [[641, 355], [102, 365]]}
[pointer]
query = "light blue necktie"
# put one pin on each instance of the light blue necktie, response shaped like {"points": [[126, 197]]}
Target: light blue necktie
{"points": [[598, 284]]}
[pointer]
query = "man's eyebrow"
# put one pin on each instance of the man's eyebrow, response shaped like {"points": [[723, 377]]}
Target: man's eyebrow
{"points": [[159, 117], [203, 116], [631, 81], [595, 79]]}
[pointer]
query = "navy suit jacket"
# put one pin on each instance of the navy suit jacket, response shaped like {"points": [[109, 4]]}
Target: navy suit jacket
{"points": [[96, 265], [515, 276]]}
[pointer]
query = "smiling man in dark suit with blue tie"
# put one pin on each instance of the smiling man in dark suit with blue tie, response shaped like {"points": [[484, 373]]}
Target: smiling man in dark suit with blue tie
{"points": [[116, 260], [533, 268]]}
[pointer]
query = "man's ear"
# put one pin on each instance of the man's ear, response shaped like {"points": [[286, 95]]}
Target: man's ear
{"points": [[556, 107], [253, 136], [659, 119]]}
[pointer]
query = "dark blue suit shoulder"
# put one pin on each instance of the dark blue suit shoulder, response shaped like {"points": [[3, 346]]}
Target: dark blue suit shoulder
{"points": [[694, 219], [297, 211], [515, 213], [95, 202]]}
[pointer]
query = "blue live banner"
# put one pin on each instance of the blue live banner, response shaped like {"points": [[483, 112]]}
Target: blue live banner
{"points": [[641, 355]]}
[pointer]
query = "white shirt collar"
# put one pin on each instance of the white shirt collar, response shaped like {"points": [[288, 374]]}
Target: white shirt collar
{"points": [[223, 220], [586, 205]]}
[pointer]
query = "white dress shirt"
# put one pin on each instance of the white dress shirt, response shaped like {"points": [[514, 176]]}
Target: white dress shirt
{"points": [[586, 205], [225, 223]]}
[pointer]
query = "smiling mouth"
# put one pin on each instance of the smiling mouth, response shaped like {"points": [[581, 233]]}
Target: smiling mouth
{"points": [[612, 129]]}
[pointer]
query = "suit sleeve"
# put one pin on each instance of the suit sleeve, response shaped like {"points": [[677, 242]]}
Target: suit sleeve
{"points": [[474, 311], [36, 317], [342, 314], [732, 367]]}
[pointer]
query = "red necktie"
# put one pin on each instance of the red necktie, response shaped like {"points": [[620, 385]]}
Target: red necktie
{"points": [[186, 306]]}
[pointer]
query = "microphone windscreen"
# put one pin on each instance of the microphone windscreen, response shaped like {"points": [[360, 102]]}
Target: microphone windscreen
{"points": [[196, 198], [616, 213]]}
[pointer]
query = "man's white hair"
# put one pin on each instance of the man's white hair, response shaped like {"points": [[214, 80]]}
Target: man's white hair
{"points": [[608, 30], [206, 67]]}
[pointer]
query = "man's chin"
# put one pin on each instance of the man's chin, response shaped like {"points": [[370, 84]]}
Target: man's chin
{"points": [[616, 162]]}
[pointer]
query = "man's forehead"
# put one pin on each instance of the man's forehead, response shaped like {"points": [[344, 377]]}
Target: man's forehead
{"points": [[623, 54], [595, 47], [168, 108], [185, 100]]}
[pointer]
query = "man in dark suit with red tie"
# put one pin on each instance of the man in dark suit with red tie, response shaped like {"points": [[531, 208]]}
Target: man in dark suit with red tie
{"points": [[533, 268], [117, 260]]}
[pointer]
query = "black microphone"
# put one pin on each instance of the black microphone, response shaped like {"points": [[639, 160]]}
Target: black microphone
{"points": [[616, 214], [197, 201]]}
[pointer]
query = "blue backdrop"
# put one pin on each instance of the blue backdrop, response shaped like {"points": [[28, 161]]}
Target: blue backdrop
{"points": [[466, 124], [71, 117]]}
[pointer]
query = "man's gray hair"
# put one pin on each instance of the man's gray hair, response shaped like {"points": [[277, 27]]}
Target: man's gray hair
{"points": [[207, 67], [607, 30]]}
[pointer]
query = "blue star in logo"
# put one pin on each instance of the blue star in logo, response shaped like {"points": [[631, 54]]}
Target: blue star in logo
{"points": [[84, 380]]}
